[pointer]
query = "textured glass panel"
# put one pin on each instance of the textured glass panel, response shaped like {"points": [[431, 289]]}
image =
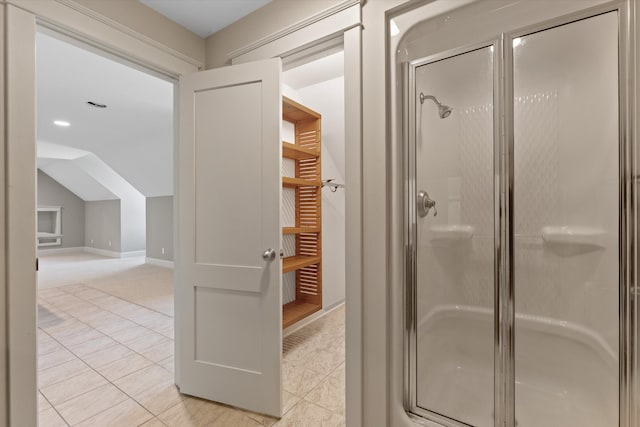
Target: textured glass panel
{"points": [[566, 224], [455, 261]]}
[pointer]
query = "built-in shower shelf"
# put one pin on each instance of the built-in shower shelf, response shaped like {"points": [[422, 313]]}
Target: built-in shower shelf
{"points": [[576, 236], [451, 233]]}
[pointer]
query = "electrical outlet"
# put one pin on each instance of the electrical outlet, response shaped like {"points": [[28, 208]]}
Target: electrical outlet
{"points": [[109, 243], [162, 251], [92, 241]]}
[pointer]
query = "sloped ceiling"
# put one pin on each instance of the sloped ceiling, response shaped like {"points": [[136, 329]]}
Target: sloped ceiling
{"points": [[133, 136]]}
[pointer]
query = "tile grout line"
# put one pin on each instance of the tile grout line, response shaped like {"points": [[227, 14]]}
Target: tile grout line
{"points": [[130, 302], [106, 335], [89, 301], [52, 407], [95, 388], [98, 373]]}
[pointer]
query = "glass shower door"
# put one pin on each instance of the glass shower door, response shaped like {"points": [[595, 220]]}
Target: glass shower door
{"points": [[453, 210], [566, 227]]}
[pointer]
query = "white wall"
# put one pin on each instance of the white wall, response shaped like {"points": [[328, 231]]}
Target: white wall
{"points": [[103, 225], [160, 228]]}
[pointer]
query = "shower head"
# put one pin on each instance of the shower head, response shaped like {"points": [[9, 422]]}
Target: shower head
{"points": [[444, 111]]}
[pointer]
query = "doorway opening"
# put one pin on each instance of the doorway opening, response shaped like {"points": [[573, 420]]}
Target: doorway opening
{"points": [[105, 326], [105, 144]]}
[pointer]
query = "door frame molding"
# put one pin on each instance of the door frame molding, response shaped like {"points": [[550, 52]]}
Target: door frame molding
{"points": [[325, 30], [22, 20]]}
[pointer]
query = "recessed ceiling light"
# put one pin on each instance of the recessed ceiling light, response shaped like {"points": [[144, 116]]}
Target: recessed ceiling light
{"points": [[96, 104], [61, 123]]}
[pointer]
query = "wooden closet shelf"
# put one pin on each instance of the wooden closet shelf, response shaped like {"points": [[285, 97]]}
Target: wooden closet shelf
{"points": [[292, 151], [298, 230], [293, 111], [299, 182], [293, 263], [297, 310]]}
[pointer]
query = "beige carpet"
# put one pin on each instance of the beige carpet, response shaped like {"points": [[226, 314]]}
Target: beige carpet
{"points": [[127, 278]]}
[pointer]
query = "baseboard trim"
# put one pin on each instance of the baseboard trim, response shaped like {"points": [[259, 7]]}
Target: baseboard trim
{"points": [[102, 252], [114, 254], [61, 250], [96, 251], [158, 262], [132, 254], [304, 322]]}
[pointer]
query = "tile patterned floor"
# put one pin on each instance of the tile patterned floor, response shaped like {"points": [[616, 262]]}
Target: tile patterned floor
{"points": [[107, 360]]}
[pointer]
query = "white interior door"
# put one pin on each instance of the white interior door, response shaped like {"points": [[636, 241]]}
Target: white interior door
{"points": [[228, 292]]}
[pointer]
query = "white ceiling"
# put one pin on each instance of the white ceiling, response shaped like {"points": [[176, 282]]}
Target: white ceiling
{"points": [[133, 135], [205, 17]]}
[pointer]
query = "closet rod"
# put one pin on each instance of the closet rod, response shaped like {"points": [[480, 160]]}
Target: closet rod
{"points": [[333, 186]]}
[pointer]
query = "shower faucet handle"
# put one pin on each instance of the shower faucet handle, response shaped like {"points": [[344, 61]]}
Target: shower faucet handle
{"points": [[425, 203]]}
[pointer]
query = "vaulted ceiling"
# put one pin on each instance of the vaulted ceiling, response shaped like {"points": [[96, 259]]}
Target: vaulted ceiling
{"points": [[133, 135]]}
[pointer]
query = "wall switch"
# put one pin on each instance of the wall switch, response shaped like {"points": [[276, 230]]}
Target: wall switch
{"points": [[162, 251]]}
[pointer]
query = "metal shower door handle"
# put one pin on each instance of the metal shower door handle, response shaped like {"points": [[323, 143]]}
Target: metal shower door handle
{"points": [[269, 255], [425, 203]]}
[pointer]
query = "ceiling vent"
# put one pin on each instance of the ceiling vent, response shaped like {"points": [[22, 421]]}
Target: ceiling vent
{"points": [[96, 105]]}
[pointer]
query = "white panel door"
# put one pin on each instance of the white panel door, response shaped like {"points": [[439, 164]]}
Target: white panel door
{"points": [[228, 296]]}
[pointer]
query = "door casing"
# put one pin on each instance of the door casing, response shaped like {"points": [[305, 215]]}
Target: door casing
{"points": [[21, 20]]}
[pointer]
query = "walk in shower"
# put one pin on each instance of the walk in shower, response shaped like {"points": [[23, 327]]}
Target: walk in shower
{"points": [[512, 126]]}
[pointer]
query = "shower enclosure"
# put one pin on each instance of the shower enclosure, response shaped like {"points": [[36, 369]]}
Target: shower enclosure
{"points": [[512, 126]]}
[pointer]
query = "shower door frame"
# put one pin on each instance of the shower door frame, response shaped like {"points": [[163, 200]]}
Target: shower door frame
{"points": [[503, 145], [411, 240]]}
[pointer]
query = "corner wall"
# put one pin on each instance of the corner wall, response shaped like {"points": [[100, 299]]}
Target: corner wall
{"points": [[160, 228], [102, 225]]}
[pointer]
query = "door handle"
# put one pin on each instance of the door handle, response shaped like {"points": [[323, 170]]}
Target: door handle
{"points": [[269, 255], [425, 203]]}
